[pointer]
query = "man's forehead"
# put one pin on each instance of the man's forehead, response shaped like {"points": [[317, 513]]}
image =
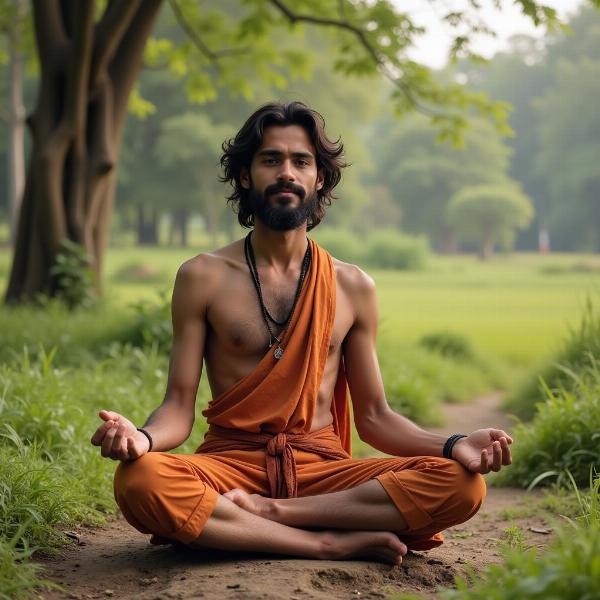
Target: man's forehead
{"points": [[286, 138]]}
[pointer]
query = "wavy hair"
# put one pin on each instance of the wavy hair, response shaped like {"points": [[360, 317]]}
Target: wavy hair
{"points": [[239, 152]]}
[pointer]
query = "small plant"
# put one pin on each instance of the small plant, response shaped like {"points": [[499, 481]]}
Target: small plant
{"points": [[514, 536], [74, 278]]}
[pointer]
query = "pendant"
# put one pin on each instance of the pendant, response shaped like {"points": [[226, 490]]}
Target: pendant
{"points": [[278, 352]]}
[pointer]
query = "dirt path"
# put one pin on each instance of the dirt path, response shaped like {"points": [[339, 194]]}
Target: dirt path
{"points": [[117, 562]]}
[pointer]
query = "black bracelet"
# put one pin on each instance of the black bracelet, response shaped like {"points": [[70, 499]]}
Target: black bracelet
{"points": [[449, 445], [148, 436]]}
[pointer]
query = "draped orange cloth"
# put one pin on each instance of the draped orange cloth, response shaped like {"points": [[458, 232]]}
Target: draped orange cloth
{"points": [[273, 407]]}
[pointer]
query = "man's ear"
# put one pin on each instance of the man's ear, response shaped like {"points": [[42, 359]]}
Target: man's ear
{"points": [[320, 178], [245, 178]]}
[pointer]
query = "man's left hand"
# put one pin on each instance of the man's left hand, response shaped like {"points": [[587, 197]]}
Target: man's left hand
{"points": [[484, 450]]}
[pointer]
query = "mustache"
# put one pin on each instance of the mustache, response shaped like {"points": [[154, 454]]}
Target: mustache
{"points": [[282, 186]]}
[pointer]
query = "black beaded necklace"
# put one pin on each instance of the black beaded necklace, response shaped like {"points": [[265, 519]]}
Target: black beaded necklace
{"points": [[267, 317]]}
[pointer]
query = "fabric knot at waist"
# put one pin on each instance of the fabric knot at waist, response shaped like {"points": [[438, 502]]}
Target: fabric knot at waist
{"points": [[281, 464]]}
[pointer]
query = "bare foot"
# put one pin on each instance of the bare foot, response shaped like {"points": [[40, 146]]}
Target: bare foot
{"points": [[379, 545], [254, 503]]}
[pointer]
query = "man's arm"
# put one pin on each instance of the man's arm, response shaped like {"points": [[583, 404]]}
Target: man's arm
{"points": [[376, 423], [171, 423]]}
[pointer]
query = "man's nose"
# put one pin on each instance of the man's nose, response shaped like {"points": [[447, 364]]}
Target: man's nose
{"points": [[286, 173]]}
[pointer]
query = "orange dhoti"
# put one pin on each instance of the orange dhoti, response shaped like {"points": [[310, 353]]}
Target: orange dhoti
{"points": [[259, 440]]}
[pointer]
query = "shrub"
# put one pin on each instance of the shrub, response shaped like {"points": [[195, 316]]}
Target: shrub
{"points": [[563, 437], [448, 343], [568, 569], [152, 324], [75, 278], [582, 342], [341, 243], [388, 249]]}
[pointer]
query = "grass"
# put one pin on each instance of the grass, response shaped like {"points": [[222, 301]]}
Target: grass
{"points": [[563, 439], [568, 569]]}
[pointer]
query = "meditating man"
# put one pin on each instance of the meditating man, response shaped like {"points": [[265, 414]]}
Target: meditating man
{"points": [[285, 330]]}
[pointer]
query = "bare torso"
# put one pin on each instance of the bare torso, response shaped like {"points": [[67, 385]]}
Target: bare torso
{"points": [[236, 335]]}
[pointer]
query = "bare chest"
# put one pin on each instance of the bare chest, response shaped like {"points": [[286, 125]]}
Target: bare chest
{"points": [[237, 321]]}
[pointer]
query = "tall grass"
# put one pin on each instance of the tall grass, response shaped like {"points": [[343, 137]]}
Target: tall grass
{"points": [[563, 439], [582, 342], [569, 569]]}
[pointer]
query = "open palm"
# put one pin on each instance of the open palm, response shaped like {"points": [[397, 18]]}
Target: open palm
{"points": [[484, 450]]}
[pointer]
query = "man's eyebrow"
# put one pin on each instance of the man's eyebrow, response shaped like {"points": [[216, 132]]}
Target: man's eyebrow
{"points": [[275, 152]]}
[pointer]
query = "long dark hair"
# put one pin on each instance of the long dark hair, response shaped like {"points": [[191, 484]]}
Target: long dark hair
{"points": [[238, 154]]}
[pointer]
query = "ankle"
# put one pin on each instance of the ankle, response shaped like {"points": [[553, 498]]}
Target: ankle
{"points": [[272, 510], [329, 548]]}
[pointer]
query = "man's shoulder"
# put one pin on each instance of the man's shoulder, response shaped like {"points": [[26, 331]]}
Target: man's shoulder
{"points": [[352, 279], [209, 268]]}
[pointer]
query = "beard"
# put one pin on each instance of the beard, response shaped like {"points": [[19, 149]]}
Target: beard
{"points": [[281, 217]]}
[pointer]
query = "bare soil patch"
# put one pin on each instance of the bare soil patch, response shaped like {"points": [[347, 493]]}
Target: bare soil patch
{"points": [[116, 561]]}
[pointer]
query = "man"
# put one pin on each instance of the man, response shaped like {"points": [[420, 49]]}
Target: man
{"points": [[284, 329]]}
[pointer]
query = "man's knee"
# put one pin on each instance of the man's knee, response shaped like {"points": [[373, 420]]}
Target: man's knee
{"points": [[466, 493], [135, 481]]}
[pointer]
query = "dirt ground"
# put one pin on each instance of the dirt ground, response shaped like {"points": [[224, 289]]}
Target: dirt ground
{"points": [[118, 562]]}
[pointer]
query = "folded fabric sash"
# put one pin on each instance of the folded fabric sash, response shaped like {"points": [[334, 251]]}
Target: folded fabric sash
{"points": [[281, 464]]}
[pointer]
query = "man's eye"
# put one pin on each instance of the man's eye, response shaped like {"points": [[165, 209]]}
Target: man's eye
{"points": [[270, 161], [302, 163]]}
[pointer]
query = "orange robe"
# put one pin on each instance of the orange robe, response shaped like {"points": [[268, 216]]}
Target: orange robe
{"points": [[259, 439]]}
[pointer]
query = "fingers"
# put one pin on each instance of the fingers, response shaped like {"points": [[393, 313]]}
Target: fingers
{"points": [[119, 445], [109, 415], [506, 453], [98, 436], [108, 439], [498, 434]]}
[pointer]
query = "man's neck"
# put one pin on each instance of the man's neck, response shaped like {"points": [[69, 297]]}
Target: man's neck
{"points": [[279, 249]]}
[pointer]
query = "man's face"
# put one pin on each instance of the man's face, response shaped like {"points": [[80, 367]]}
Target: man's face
{"points": [[283, 178]]}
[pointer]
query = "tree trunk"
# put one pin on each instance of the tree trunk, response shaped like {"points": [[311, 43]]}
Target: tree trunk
{"points": [[147, 226], [179, 222], [87, 70], [487, 247], [16, 123]]}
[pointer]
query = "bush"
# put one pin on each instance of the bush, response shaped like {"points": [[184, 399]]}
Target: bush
{"points": [[388, 249], [75, 279], [382, 249], [563, 437], [152, 324], [342, 244], [568, 569], [583, 342], [448, 343]]}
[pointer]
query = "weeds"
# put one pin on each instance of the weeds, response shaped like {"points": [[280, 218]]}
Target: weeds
{"points": [[568, 569]]}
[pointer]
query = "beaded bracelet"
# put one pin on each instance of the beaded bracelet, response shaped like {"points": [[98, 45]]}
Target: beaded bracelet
{"points": [[141, 430], [450, 442]]}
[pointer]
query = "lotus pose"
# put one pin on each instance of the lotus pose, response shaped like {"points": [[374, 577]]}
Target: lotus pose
{"points": [[285, 331]]}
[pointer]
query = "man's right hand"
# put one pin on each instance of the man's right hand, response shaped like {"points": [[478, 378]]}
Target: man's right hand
{"points": [[119, 437]]}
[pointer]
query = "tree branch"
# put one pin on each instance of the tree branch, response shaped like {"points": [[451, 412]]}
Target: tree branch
{"points": [[126, 61], [212, 55], [108, 34], [362, 38], [49, 29]]}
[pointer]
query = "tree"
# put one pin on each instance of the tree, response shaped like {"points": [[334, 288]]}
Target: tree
{"points": [[422, 175], [189, 146], [88, 70], [491, 214]]}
